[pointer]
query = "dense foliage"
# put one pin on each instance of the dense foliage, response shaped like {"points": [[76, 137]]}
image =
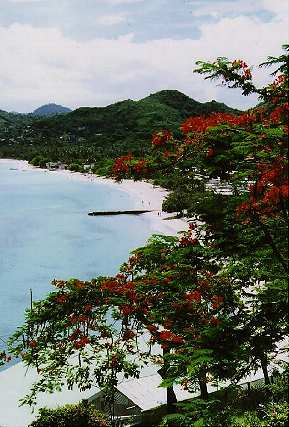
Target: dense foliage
{"points": [[80, 415], [259, 406], [207, 306]]}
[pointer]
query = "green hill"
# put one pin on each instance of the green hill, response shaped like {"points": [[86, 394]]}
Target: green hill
{"points": [[93, 134], [162, 109]]}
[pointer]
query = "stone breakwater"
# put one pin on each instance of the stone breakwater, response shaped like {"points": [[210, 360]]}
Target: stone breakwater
{"points": [[130, 212]]}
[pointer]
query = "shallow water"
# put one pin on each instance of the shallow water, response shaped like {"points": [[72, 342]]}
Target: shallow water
{"points": [[45, 233]]}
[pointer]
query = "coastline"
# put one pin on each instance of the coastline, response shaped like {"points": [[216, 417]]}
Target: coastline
{"points": [[15, 382], [145, 195]]}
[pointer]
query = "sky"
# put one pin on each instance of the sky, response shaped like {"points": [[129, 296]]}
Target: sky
{"points": [[96, 52]]}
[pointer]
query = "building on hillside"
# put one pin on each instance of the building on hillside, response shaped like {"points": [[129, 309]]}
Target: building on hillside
{"points": [[88, 168], [55, 166], [134, 397]]}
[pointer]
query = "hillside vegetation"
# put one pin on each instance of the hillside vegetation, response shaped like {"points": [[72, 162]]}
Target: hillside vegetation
{"points": [[93, 135]]}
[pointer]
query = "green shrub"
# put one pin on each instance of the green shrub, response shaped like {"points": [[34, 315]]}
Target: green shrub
{"points": [[247, 419], [77, 415], [75, 167]]}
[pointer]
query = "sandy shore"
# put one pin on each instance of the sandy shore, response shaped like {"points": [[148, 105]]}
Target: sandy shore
{"points": [[145, 195]]}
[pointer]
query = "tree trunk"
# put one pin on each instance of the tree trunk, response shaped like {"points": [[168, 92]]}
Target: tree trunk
{"points": [[171, 400], [264, 364], [203, 385], [171, 396]]}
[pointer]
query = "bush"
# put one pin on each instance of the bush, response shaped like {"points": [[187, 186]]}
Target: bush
{"points": [[78, 415], [75, 167], [39, 161]]}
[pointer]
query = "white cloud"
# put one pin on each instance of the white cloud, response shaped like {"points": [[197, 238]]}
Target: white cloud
{"points": [[24, 1], [222, 8], [40, 65], [110, 20], [123, 1]]}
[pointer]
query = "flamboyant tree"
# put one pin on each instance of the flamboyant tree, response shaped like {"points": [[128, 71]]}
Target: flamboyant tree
{"points": [[210, 304], [170, 295]]}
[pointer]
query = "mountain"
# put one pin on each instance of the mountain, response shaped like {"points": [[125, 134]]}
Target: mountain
{"points": [[93, 134], [51, 110], [165, 109]]}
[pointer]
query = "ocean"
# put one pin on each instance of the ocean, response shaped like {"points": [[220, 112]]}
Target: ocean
{"points": [[46, 233]]}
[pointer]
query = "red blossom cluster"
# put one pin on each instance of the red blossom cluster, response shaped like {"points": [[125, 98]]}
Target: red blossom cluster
{"points": [[78, 339], [211, 152], [269, 191], [128, 334], [202, 123], [160, 138], [79, 284], [241, 65], [121, 165], [77, 318], [170, 337], [126, 309], [188, 239], [140, 166], [167, 154], [217, 301], [32, 344], [194, 296], [116, 287], [279, 81], [215, 321], [280, 114], [204, 284], [61, 299]]}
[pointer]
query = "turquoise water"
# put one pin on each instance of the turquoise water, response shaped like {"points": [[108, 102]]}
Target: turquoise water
{"points": [[45, 233]]}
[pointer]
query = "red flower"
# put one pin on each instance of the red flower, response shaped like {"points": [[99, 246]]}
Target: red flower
{"points": [[62, 299], [121, 276], [152, 329], [114, 361], [140, 166], [188, 239], [201, 123], [76, 333], [217, 300], [215, 321], [32, 344], [88, 307], [272, 196], [194, 296], [82, 342], [211, 152], [126, 309], [161, 138], [204, 284], [284, 190], [128, 335], [170, 337]]}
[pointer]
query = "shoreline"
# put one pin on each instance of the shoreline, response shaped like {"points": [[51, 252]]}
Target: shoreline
{"points": [[14, 379], [145, 195]]}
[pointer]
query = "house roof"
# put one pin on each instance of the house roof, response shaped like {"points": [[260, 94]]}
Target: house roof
{"points": [[146, 393]]}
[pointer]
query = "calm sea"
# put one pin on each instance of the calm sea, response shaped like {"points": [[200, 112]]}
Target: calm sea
{"points": [[45, 233]]}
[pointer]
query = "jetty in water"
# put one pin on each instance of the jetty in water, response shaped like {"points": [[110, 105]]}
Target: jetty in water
{"points": [[133, 212]]}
